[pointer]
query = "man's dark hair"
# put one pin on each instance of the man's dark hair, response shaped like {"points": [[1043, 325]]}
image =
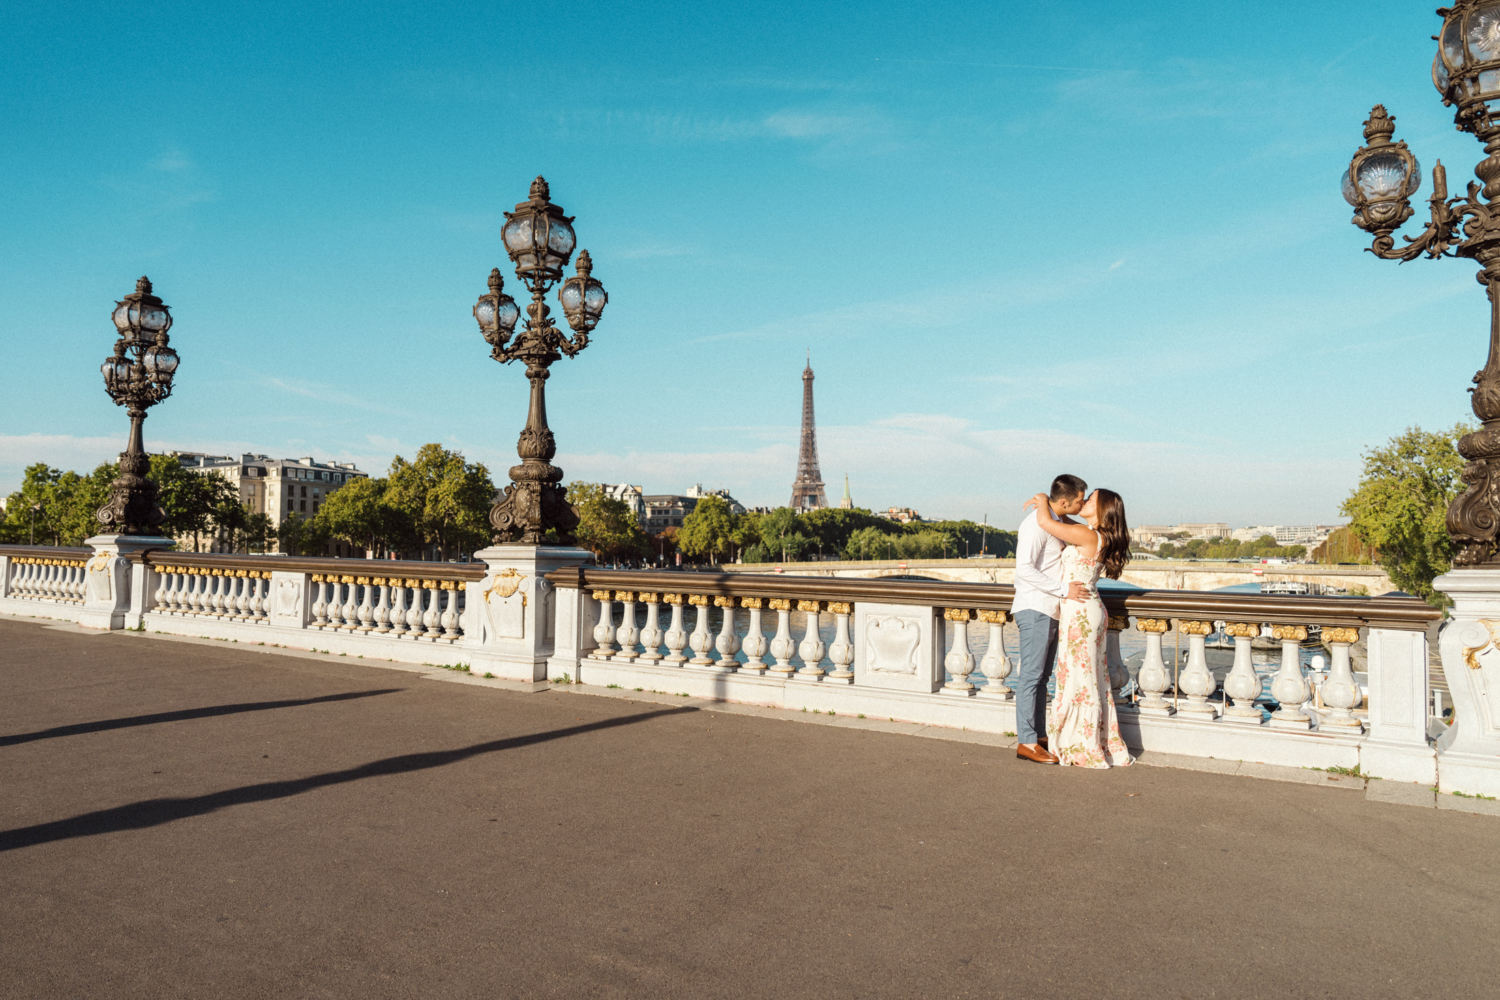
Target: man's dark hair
{"points": [[1065, 487]]}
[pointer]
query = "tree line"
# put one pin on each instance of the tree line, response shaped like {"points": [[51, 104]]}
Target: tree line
{"points": [[435, 506], [714, 534], [1229, 548]]}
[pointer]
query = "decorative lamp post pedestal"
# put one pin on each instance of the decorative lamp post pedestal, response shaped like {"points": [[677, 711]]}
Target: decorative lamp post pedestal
{"points": [[513, 611], [1469, 752], [114, 579]]}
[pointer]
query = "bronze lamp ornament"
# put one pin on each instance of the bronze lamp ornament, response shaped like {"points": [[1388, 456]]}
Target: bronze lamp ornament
{"points": [[539, 239], [1382, 177], [137, 376]]}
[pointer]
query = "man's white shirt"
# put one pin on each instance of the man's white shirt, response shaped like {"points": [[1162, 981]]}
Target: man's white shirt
{"points": [[1038, 569]]}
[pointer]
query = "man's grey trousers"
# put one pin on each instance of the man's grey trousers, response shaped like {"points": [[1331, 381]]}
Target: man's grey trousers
{"points": [[1038, 651]]}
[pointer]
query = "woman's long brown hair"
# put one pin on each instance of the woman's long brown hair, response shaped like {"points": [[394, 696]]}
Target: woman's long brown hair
{"points": [[1114, 533]]}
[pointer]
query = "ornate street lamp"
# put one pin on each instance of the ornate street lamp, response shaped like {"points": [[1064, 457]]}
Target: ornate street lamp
{"points": [[137, 376], [1382, 177], [539, 239]]}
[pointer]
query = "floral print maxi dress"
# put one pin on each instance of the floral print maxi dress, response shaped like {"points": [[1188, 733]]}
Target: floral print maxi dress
{"points": [[1082, 728]]}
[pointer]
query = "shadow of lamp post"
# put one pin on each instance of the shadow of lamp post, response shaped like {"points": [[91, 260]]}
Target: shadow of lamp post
{"points": [[539, 239], [137, 376]]}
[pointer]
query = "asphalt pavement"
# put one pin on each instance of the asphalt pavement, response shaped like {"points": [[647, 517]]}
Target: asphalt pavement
{"points": [[212, 820]]}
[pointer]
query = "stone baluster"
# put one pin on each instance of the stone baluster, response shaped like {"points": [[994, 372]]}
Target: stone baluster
{"points": [[349, 613], [841, 650], [1114, 662], [1152, 679], [335, 602], [1196, 681], [433, 614], [604, 632], [755, 641], [194, 602], [1288, 687], [262, 595], [364, 611], [960, 659], [19, 575], [397, 587], [319, 606], [382, 611], [64, 581], [782, 647], [700, 641], [651, 635], [237, 599], [626, 635], [727, 643], [1340, 691], [414, 612], [811, 648], [676, 638], [46, 580], [162, 597], [995, 666], [218, 593], [449, 618], [1242, 684]]}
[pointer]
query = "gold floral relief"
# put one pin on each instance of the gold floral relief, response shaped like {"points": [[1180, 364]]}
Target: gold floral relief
{"points": [[599, 595], [671, 598], [1242, 630], [1331, 634], [780, 604], [751, 602], [956, 614], [992, 617], [624, 595], [1195, 628], [1119, 623], [698, 600], [840, 607], [723, 602], [1295, 633], [808, 607]]}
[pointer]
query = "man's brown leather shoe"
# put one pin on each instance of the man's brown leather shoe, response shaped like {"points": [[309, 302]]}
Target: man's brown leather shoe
{"points": [[1034, 753]]}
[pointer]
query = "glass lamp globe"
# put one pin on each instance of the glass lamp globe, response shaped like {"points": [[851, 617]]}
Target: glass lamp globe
{"points": [[583, 298], [496, 313], [141, 312], [537, 235], [160, 362]]}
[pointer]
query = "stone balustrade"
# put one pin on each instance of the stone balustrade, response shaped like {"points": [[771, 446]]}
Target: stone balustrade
{"points": [[914, 651], [878, 648], [44, 574]]}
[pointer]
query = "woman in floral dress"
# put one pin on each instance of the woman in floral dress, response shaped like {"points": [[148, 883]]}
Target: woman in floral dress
{"points": [[1082, 727]]}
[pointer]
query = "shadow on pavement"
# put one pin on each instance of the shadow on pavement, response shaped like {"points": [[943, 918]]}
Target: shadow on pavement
{"points": [[154, 812], [187, 713]]}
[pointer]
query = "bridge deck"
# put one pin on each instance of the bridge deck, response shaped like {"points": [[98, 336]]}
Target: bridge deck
{"points": [[208, 820]]}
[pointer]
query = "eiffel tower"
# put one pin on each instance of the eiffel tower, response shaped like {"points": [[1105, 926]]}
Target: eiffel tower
{"points": [[807, 491]]}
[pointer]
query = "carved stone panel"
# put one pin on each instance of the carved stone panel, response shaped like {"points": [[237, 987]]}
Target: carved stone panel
{"points": [[288, 600], [897, 646]]}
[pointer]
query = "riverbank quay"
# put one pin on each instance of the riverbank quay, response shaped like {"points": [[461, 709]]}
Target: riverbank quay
{"points": [[191, 817]]}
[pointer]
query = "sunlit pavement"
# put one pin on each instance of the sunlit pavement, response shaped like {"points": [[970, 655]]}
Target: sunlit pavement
{"points": [[214, 821]]}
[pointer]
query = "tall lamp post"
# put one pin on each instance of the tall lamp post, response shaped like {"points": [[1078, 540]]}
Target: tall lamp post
{"points": [[137, 376], [539, 239], [1380, 179]]}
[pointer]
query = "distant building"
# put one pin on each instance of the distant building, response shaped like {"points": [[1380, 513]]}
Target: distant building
{"points": [[1151, 535], [629, 495], [276, 487], [663, 510], [807, 489], [905, 515], [847, 503], [1286, 534]]}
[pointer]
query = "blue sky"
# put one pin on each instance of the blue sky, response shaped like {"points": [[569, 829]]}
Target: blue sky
{"points": [[1019, 239]]}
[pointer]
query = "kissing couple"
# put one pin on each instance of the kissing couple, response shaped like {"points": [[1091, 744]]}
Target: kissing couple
{"points": [[1058, 562]]}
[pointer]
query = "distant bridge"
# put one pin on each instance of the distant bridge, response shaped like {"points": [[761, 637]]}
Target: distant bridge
{"points": [[1152, 574]]}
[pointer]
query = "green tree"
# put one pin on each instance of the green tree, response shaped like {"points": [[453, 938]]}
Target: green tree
{"points": [[709, 530], [780, 536], [606, 526], [446, 499], [29, 511], [301, 536], [358, 513], [1343, 546], [1401, 503]]}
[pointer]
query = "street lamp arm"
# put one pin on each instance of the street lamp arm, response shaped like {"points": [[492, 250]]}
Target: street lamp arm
{"points": [[1439, 234]]}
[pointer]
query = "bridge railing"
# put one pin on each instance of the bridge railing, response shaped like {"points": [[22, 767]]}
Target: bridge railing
{"points": [[901, 649], [43, 575]]}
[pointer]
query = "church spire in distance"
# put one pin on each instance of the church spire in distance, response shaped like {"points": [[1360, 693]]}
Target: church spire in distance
{"points": [[807, 490]]}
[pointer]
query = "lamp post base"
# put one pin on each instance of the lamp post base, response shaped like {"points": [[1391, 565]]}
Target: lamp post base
{"points": [[118, 586]]}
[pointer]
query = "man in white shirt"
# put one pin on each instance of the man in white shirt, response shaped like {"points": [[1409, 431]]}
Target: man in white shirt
{"points": [[1037, 605]]}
